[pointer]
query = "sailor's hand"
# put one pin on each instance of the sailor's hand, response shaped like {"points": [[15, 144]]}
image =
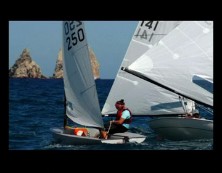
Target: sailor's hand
{"points": [[111, 121]]}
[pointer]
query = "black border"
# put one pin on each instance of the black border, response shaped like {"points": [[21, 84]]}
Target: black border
{"points": [[107, 158]]}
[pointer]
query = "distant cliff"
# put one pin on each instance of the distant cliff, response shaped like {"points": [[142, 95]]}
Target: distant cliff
{"points": [[58, 73], [25, 67]]}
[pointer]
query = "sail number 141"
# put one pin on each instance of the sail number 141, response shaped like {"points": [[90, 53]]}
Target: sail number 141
{"points": [[74, 33]]}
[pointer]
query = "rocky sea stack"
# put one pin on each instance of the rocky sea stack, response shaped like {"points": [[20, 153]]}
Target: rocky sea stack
{"points": [[58, 73], [25, 67]]}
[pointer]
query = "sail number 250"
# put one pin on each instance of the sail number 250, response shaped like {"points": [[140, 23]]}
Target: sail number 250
{"points": [[77, 34]]}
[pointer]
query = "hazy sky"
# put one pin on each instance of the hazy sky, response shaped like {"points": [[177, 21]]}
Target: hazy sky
{"points": [[108, 39]]}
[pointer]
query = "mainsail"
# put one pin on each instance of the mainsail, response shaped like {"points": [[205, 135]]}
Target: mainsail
{"points": [[183, 55], [157, 100], [82, 104]]}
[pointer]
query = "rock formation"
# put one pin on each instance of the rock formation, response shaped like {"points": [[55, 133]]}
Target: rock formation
{"points": [[94, 63], [58, 73], [25, 67]]}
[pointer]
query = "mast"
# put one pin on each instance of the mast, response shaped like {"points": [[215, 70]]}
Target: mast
{"points": [[141, 76], [65, 116]]}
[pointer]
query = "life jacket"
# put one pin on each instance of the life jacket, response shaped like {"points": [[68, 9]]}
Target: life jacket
{"points": [[80, 131], [119, 114]]}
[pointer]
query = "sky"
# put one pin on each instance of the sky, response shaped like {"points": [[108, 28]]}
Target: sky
{"points": [[108, 39]]}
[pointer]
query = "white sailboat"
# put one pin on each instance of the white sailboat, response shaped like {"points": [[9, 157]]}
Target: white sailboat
{"points": [[82, 105], [129, 87], [182, 56]]}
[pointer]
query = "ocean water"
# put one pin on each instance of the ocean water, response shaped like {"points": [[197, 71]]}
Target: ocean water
{"points": [[36, 105]]}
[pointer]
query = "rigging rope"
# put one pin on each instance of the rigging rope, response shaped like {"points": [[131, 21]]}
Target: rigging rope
{"points": [[109, 127]]}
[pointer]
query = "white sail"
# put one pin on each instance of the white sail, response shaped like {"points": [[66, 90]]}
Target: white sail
{"points": [[80, 89], [185, 53], [82, 105], [157, 100]]}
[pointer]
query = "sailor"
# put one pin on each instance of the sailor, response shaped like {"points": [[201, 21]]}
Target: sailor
{"points": [[121, 123]]}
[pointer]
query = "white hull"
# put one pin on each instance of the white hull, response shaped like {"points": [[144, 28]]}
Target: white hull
{"points": [[181, 128], [118, 138]]}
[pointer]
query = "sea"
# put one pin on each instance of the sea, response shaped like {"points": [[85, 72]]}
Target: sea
{"points": [[36, 105]]}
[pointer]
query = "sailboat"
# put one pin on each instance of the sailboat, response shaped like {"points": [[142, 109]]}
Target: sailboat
{"points": [[82, 105], [146, 35], [174, 64]]}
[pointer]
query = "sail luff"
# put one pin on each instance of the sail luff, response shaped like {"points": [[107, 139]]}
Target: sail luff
{"points": [[82, 105]]}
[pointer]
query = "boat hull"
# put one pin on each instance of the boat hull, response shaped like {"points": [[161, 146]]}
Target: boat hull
{"points": [[181, 128], [63, 137]]}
